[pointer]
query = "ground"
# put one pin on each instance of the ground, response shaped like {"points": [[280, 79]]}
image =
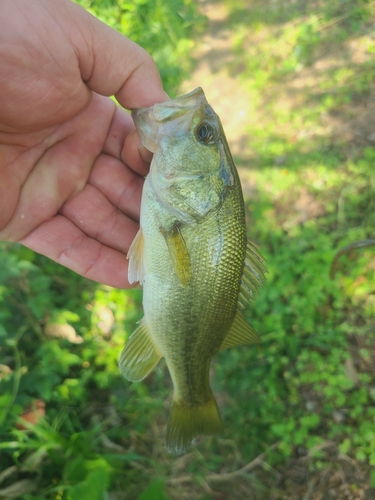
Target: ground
{"points": [[350, 125]]}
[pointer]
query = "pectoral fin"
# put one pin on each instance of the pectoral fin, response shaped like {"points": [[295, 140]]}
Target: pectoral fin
{"points": [[178, 252], [240, 333], [135, 256], [253, 275], [139, 355]]}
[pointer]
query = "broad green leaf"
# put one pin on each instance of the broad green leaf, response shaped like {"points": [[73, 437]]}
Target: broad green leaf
{"points": [[154, 491]]}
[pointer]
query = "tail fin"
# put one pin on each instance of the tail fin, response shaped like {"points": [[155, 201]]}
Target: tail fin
{"points": [[187, 422]]}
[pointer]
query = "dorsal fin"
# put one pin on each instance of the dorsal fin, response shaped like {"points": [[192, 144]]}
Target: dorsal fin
{"points": [[240, 333], [252, 276]]}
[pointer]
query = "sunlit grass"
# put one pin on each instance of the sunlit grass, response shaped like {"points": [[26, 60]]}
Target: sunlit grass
{"points": [[304, 396]]}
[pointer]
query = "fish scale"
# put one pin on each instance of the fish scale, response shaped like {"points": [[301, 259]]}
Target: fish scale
{"points": [[192, 257]]}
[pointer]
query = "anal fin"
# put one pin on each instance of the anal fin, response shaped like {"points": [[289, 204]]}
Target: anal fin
{"points": [[140, 355]]}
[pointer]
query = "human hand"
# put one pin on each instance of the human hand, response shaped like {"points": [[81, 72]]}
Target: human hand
{"points": [[71, 174]]}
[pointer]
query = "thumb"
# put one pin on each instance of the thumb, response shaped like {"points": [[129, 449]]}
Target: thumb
{"points": [[110, 63]]}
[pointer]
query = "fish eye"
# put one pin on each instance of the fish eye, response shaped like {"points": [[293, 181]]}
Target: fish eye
{"points": [[205, 133]]}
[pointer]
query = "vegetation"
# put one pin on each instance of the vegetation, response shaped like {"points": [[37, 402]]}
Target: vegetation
{"points": [[299, 407]]}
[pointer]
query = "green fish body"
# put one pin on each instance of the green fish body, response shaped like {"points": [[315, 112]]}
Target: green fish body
{"points": [[192, 257]]}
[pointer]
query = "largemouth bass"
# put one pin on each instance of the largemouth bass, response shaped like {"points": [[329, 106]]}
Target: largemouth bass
{"points": [[193, 259]]}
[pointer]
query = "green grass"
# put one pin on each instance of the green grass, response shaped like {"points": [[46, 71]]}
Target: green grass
{"points": [[302, 400], [309, 76]]}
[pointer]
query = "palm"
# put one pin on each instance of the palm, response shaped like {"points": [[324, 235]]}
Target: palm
{"points": [[70, 172]]}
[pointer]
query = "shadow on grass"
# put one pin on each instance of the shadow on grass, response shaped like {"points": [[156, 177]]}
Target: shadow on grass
{"points": [[278, 13], [309, 68]]}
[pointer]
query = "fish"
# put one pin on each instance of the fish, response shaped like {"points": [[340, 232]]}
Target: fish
{"points": [[192, 258]]}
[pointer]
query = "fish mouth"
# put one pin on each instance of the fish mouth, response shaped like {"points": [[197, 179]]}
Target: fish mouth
{"points": [[162, 118], [146, 127], [180, 106]]}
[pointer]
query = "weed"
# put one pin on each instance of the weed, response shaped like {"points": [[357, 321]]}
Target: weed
{"points": [[299, 407]]}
